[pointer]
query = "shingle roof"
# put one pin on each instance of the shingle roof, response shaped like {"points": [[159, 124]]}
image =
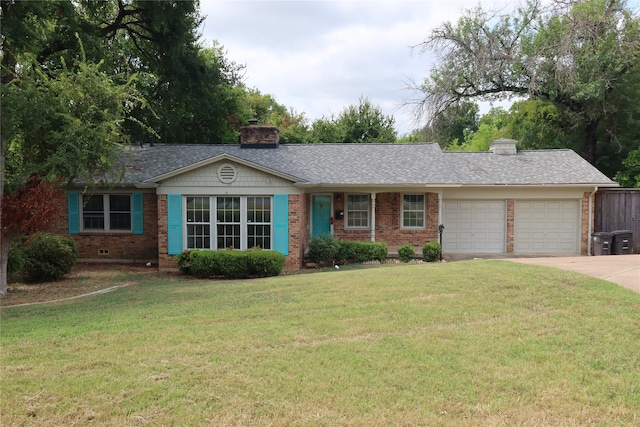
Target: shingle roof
{"points": [[378, 164]]}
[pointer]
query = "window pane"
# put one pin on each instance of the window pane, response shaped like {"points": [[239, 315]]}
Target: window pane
{"points": [[259, 235], [413, 210], [228, 236], [198, 236], [228, 209], [93, 212], [198, 209], [120, 203], [92, 221], [120, 220], [358, 210], [93, 203]]}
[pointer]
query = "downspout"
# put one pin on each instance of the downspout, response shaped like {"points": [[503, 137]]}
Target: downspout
{"points": [[440, 207], [590, 225], [373, 217]]}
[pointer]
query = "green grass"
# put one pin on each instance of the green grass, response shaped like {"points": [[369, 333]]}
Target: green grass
{"points": [[465, 343]]}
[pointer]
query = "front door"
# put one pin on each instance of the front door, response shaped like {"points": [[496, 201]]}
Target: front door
{"points": [[320, 215]]}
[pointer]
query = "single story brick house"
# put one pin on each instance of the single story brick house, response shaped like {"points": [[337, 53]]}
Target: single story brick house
{"points": [[262, 193]]}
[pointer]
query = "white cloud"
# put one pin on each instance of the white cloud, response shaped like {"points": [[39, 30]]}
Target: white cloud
{"points": [[319, 57]]}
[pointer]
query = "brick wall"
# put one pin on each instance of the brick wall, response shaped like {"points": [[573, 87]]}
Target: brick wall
{"points": [[389, 222], [165, 261], [511, 208], [298, 226], [584, 226], [115, 246]]}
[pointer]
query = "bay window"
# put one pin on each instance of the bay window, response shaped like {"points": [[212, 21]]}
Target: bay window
{"points": [[239, 222]]}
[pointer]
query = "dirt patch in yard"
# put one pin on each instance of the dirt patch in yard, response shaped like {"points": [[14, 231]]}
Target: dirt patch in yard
{"points": [[83, 279]]}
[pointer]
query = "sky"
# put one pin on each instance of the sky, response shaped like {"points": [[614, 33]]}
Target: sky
{"points": [[319, 57]]}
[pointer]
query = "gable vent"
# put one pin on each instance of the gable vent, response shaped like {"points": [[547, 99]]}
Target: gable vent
{"points": [[227, 173]]}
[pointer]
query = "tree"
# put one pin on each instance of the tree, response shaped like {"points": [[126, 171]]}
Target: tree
{"points": [[191, 89], [573, 54], [366, 123], [493, 125], [57, 127], [362, 123], [293, 126], [453, 123], [630, 175]]}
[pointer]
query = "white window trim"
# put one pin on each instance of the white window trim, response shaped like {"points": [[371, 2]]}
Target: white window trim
{"points": [[106, 212], [213, 221], [424, 211], [346, 212]]}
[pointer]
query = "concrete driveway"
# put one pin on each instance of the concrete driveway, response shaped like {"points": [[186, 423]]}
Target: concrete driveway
{"points": [[621, 269]]}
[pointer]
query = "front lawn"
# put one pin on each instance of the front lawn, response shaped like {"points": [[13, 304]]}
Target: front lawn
{"points": [[464, 343]]}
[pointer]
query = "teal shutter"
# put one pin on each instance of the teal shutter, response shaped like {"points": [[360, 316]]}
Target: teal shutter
{"points": [[74, 212], [137, 217], [281, 223], [174, 224]]}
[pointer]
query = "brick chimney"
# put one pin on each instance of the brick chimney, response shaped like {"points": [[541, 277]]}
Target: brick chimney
{"points": [[256, 136]]}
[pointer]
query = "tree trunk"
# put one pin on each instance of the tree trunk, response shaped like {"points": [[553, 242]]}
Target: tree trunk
{"points": [[591, 141], [5, 244]]}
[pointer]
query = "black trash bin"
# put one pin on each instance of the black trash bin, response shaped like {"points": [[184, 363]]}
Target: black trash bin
{"points": [[622, 242], [601, 243]]}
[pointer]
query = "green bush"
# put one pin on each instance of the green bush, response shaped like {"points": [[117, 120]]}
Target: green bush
{"points": [[406, 253], [265, 263], [350, 252], [431, 251], [15, 263], [184, 261], [231, 264], [323, 249], [48, 257], [327, 250]]}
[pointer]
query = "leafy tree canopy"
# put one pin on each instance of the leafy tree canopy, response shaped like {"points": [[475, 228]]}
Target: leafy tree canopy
{"points": [[362, 123], [578, 58]]}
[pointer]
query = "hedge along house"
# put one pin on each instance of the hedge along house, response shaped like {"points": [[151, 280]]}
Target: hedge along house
{"points": [[261, 193]]}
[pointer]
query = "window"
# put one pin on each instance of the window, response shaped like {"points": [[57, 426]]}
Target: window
{"points": [[259, 222], [228, 222], [198, 223], [237, 223], [413, 212], [357, 211], [106, 212]]}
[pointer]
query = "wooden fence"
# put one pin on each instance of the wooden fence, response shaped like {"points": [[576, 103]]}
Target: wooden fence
{"points": [[619, 209]]}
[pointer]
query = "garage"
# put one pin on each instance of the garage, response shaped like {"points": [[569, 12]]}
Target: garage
{"points": [[474, 226], [546, 227]]}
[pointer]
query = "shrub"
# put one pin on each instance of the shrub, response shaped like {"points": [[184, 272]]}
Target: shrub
{"points": [[431, 251], [323, 249], [15, 263], [406, 253], [233, 264], [184, 261], [265, 263], [351, 252], [48, 257]]}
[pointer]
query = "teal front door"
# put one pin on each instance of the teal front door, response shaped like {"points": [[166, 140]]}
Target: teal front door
{"points": [[320, 215]]}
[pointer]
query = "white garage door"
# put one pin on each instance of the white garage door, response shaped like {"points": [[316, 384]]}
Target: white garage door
{"points": [[473, 226], [546, 227]]}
